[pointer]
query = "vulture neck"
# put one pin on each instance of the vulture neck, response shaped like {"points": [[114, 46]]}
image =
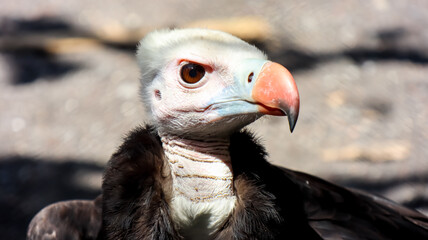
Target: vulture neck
{"points": [[201, 169], [202, 177]]}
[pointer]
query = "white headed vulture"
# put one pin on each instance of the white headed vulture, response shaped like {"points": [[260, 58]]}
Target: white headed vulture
{"points": [[193, 173]]}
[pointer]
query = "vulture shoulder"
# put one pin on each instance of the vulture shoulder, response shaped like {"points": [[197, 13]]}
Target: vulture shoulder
{"points": [[322, 209], [77, 219], [137, 189]]}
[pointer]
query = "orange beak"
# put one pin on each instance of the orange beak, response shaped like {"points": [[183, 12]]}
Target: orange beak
{"points": [[276, 93]]}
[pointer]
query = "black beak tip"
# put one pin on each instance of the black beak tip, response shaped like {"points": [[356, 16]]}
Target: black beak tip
{"points": [[292, 120], [292, 115]]}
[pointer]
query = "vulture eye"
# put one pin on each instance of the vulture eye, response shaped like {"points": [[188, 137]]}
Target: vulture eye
{"points": [[192, 73]]}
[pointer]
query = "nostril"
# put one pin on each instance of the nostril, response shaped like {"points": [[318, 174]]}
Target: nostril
{"points": [[250, 77], [158, 94]]}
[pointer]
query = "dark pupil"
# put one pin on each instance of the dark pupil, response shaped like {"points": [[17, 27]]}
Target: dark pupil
{"points": [[193, 72]]}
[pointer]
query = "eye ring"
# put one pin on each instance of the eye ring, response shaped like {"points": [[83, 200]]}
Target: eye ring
{"points": [[192, 73]]}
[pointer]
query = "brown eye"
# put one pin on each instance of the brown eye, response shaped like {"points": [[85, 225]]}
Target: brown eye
{"points": [[192, 73]]}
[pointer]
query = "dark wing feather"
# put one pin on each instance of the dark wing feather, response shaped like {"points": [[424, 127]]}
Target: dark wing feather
{"points": [[339, 213], [68, 220]]}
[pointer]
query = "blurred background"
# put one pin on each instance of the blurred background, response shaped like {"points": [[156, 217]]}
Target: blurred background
{"points": [[69, 91]]}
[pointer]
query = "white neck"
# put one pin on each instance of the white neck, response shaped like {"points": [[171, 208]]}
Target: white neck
{"points": [[202, 181], [201, 170]]}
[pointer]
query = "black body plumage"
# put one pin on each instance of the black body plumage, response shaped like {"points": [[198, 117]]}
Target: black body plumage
{"points": [[272, 202]]}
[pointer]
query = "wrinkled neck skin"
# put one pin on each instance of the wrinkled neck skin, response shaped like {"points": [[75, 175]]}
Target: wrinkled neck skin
{"points": [[202, 176]]}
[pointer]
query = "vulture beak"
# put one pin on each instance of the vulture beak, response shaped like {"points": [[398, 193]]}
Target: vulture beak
{"points": [[275, 92]]}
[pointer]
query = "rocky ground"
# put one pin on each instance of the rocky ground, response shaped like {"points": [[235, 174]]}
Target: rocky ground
{"points": [[69, 91]]}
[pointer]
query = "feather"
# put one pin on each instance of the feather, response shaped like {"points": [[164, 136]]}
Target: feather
{"points": [[78, 219]]}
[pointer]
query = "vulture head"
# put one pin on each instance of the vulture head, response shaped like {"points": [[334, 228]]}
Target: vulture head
{"points": [[200, 86], [198, 82]]}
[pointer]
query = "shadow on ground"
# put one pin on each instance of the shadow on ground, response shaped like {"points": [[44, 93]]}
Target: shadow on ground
{"points": [[26, 44], [31, 61], [31, 64], [390, 48], [29, 184]]}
